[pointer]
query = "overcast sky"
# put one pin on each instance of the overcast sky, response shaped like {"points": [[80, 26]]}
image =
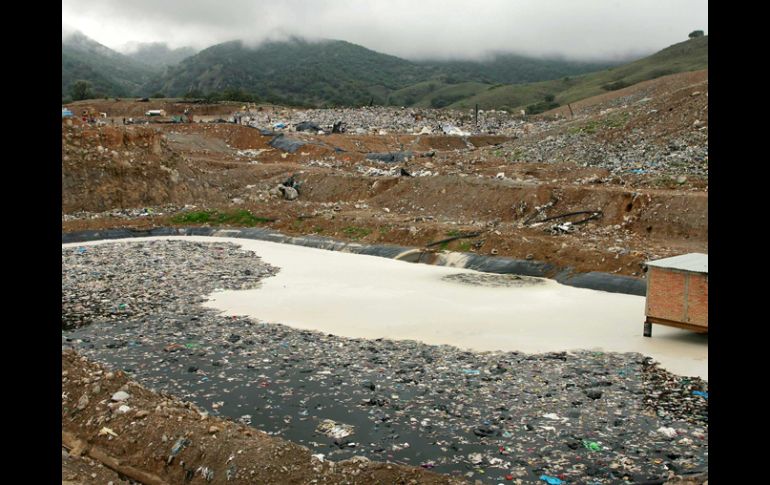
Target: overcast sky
{"points": [[413, 29]]}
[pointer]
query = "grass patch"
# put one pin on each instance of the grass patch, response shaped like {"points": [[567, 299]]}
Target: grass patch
{"points": [[196, 217], [616, 85], [240, 217], [464, 247], [617, 121], [355, 232], [453, 233], [610, 122]]}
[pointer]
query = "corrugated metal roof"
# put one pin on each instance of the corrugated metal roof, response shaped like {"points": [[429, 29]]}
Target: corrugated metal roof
{"points": [[695, 262]]}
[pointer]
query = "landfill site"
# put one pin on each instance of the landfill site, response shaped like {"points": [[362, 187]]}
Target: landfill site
{"points": [[254, 293]]}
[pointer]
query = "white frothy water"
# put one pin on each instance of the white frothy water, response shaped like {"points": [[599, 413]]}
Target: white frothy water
{"points": [[361, 296]]}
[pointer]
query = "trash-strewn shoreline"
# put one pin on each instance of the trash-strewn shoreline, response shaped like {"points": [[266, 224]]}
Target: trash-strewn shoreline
{"points": [[583, 417]]}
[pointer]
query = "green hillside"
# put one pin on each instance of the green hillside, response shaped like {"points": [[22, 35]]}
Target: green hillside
{"points": [[109, 72], [434, 94], [74, 69], [299, 72], [336, 72], [512, 69], [690, 55], [158, 55]]}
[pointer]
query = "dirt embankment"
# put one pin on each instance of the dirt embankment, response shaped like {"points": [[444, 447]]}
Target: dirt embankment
{"points": [[211, 167], [639, 156], [158, 439], [108, 167], [130, 107]]}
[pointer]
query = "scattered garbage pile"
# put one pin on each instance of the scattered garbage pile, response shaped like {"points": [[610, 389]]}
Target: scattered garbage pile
{"points": [[495, 417], [681, 155], [288, 189], [115, 430], [127, 214], [160, 292], [656, 129], [386, 120], [494, 280]]}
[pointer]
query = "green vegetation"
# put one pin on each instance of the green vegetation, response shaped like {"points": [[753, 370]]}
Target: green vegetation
{"points": [[616, 85], [337, 73], [691, 55], [293, 72], [545, 105], [355, 232], [109, 72], [240, 217], [81, 90], [464, 247], [158, 55]]}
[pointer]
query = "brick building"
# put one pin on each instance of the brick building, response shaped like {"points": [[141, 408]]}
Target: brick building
{"points": [[678, 292]]}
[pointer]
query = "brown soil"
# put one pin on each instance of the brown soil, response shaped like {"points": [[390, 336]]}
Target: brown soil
{"points": [[130, 107], [226, 166], [101, 440]]}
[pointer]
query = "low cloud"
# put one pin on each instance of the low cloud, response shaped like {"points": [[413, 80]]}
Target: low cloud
{"points": [[576, 29]]}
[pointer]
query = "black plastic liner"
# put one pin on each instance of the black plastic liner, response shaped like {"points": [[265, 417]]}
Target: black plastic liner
{"points": [[489, 264], [390, 157], [286, 144]]}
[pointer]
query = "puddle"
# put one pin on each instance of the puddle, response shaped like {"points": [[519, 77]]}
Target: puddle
{"points": [[360, 296]]}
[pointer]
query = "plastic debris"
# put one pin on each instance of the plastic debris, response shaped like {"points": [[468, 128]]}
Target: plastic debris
{"points": [[180, 444], [107, 431], [592, 445], [206, 472], [333, 429], [551, 480]]}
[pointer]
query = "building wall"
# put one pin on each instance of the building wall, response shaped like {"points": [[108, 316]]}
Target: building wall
{"points": [[677, 295], [698, 300]]}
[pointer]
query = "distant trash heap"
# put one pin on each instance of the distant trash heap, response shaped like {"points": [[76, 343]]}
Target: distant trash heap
{"points": [[382, 121]]}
